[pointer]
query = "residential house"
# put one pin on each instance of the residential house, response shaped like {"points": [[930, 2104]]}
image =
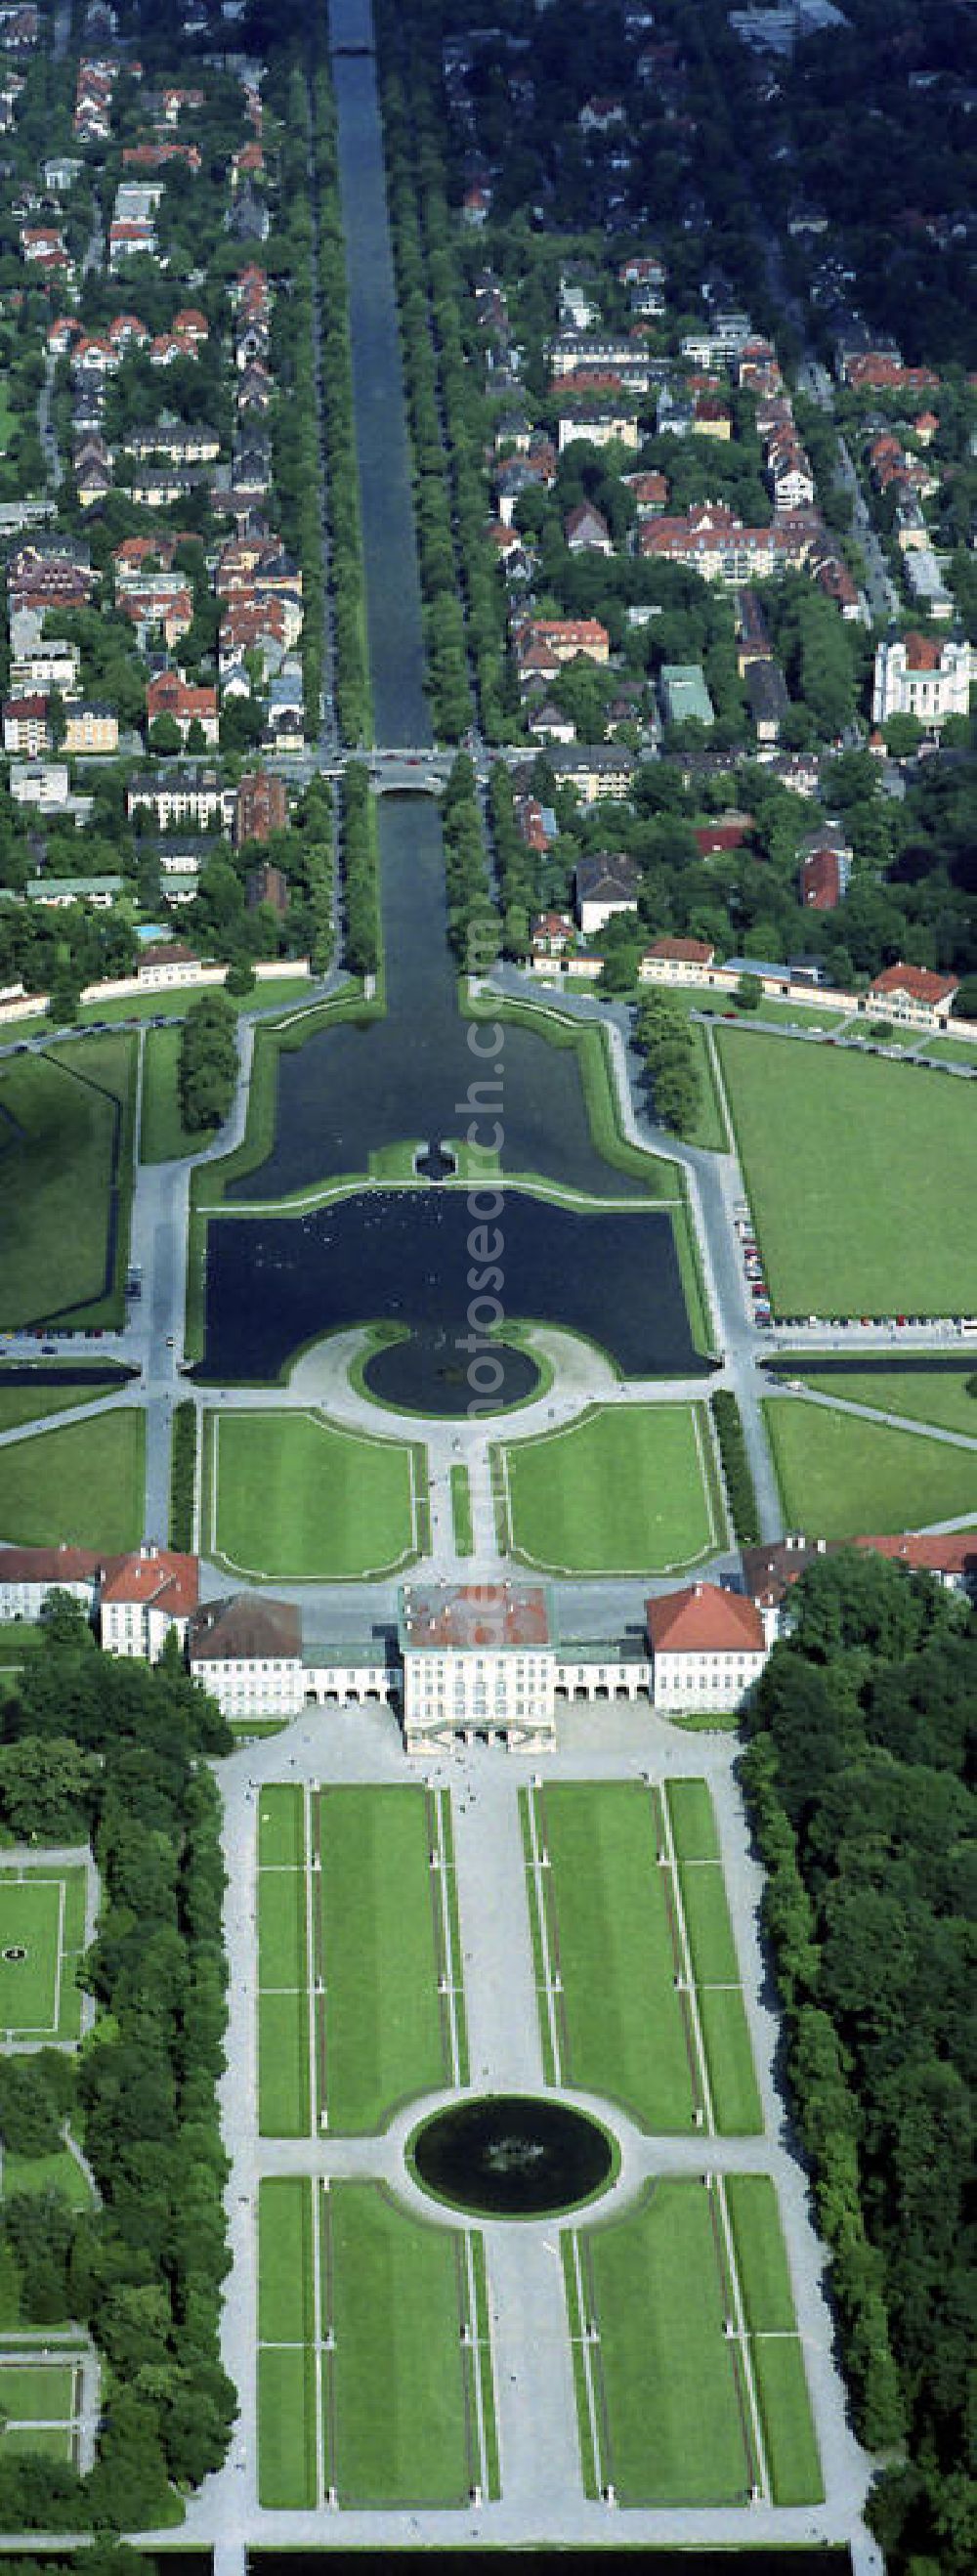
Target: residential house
{"points": [[267, 884], [261, 807], [927, 676], [825, 873], [549, 723], [25, 726], [190, 794], [605, 884], [90, 726], [586, 530], [172, 695], [602, 421], [597, 770], [766, 691], [709, 539], [551, 934], [29, 1575], [676, 960]]}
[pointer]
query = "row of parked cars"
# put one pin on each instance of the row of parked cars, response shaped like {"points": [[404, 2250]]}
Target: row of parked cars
{"points": [[753, 1266]]}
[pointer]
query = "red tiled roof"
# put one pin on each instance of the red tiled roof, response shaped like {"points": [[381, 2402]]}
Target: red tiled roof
{"points": [[156, 1577], [48, 1564], [693, 952], [920, 982], [953, 1552], [923, 652], [701, 1619]]}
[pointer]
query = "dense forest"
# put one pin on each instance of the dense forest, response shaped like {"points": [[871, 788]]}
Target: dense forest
{"points": [[860, 1781], [111, 1751]]}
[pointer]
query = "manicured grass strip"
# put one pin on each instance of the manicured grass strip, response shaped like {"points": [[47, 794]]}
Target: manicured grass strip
{"points": [[300, 1500], [847, 1184], [676, 2433], [590, 2465], [729, 2056], [761, 2256], [401, 2431], [285, 2258], [621, 2024], [920, 1395], [284, 2109], [42, 2390], [30, 1911], [693, 1819], [282, 1959], [286, 2427], [65, 1131], [714, 1960], [381, 1916], [482, 2328], [281, 1828], [461, 1511], [789, 2438], [163, 1138], [622, 1491], [84, 1484], [841, 1476]]}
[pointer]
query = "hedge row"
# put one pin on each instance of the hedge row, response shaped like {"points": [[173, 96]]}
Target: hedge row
{"points": [[736, 1467], [183, 1476]]}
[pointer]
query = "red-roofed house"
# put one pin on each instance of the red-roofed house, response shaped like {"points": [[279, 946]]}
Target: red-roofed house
{"points": [[172, 695], [143, 1596], [29, 1574], [920, 675], [914, 994], [707, 1649], [676, 961]]}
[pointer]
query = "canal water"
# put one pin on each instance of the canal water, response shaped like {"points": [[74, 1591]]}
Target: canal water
{"points": [[422, 1073]]}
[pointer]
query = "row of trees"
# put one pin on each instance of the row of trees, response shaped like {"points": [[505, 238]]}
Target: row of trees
{"points": [[113, 1749], [295, 423], [473, 927], [669, 1045], [207, 1063], [859, 1781], [361, 873]]}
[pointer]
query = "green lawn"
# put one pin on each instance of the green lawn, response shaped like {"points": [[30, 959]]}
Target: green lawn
{"points": [[620, 2021], [20, 1404], [934, 1395], [65, 1140], [398, 2411], [665, 2369], [761, 2255], [59, 2172], [39, 2402], [461, 1511], [284, 2071], [286, 2252], [785, 2414], [286, 2427], [383, 1948], [843, 1477], [627, 1490], [693, 1819], [737, 2108], [42, 1913], [707, 1923], [848, 1181], [291, 1498], [84, 1484], [163, 1138]]}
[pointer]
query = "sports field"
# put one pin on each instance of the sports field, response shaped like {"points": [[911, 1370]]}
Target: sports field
{"points": [[848, 1182], [41, 2401], [638, 1984], [84, 1484], [359, 1957], [291, 1498], [65, 1177], [629, 1489], [675, 2406], [374, 2363], [42, 1936], [841, 1476]]}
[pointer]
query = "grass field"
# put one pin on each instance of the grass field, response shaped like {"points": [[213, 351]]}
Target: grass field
{"points": [[289, 1497], [359, 1958], [843, 1477], [673, 2410], [284, 2060], [65, 1173], [42, 1913], [84, 1484], [163, 1138], [627, 1490], [388, 1934], [366, 2389], [932, 1395], [34, 1403], [645, 2012], [848, 1183], [40, 2401], [461, 1511]]}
